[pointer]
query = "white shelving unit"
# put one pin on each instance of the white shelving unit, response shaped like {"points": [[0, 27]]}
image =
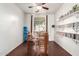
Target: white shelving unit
{"points": [[63, 25], [71, 18], [69, 15]]}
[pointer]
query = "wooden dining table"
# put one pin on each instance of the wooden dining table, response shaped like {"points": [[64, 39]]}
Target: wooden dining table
{"points": [[37, 45]]}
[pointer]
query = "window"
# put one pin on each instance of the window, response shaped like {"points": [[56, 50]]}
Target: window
{"points": [[39, 24]]}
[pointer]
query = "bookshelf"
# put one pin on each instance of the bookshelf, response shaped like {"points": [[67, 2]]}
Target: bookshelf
{"points": [[68, 26]]}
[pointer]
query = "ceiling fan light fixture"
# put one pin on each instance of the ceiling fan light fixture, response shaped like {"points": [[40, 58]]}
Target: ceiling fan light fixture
{"points": [[39, 7]]}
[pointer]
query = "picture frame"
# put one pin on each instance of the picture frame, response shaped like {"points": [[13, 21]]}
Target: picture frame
{"points": [[77, 36], [74, 37], [70, 35], [65, 34], [77, 39], [76, 26]]}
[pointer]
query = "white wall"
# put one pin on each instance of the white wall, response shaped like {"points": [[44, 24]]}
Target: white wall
{"points": [[64, 42], [50, 29], [50, 23], [28, 21], [11, 24]]}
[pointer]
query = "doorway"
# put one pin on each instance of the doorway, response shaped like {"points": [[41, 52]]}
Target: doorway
{"points": [[39, 23], [39, 34]]}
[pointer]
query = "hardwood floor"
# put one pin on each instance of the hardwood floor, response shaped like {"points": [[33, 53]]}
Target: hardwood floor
{"points": [[53, 50], [19, 51]]}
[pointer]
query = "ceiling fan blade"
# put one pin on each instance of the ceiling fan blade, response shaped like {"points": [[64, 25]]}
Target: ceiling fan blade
{"points": [[39, 4], [43, 3], [30, 7], [45, 8]]}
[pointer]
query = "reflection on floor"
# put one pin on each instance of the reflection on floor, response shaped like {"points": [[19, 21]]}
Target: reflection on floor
{"points": [[53, 50]]}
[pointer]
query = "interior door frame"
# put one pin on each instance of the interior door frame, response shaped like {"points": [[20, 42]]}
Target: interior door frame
{"points": [[46, 23]]}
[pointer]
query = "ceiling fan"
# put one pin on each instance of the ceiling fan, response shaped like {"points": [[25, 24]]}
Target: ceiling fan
{"points": [[40, 5]]}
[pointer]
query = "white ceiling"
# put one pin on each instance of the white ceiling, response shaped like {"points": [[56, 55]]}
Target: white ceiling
{"points": [[53, 7]]}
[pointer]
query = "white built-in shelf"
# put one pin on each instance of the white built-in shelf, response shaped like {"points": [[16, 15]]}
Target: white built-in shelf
{"points": [[71, 18], [76, 41], [69, 15], [65, 25], [67, 30], [70, 31]]}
